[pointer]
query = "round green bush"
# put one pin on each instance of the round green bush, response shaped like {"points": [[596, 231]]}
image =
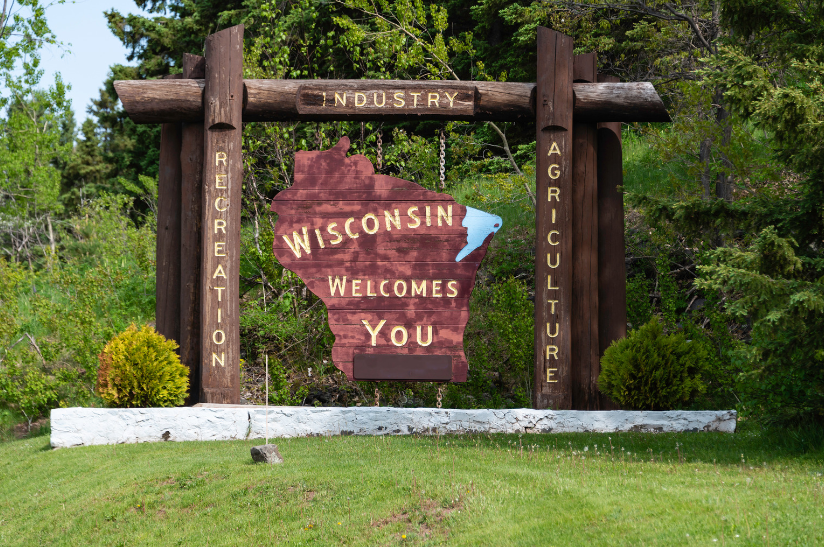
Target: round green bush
{"points": [[139, 368], [649, 370]]}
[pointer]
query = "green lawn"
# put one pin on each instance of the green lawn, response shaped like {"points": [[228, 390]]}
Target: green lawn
{"points": [[632, 489]]}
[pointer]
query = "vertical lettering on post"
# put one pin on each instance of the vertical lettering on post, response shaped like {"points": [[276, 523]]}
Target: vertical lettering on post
{"points": [[553, 221], [222, 179]]}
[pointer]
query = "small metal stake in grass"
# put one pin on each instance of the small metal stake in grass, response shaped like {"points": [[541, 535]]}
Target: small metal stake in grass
{"points": [[267, 453]]}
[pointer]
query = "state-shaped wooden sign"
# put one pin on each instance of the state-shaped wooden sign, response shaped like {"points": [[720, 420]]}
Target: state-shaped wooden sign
{"points": [[394, 263]]}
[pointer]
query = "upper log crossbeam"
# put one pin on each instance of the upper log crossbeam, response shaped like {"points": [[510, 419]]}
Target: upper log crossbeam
{"points": [[163, 101]]}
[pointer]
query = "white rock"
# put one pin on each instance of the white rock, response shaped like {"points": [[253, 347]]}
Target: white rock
{"points": [[90, 426]]}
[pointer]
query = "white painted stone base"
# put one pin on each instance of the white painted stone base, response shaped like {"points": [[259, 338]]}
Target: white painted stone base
{"points": [[90, 426]]}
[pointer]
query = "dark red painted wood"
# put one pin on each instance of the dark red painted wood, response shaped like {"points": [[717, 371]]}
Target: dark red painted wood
{"points": [[418, 368], [553, 222], [420, 260]]}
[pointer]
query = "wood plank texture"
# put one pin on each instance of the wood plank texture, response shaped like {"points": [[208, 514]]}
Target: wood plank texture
{"points": [[393, 284], [157, 101], [612, 286], [223, 179], [553, 222], [167, 302], [191, 162], [585, 363]]}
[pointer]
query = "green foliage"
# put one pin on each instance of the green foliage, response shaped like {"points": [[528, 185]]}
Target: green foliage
{"points": [[649, 370], [639, 305], [280, 392], [139, 368], [782, 294]]}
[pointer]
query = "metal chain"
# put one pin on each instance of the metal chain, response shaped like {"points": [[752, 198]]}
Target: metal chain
{"points": [[361, 136], [440, 396], [380, 151], [442, 160], [318, 137], [377, 397]]}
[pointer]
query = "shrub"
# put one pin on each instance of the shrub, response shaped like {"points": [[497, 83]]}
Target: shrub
{"points": [[649, 370], [139, 368]]}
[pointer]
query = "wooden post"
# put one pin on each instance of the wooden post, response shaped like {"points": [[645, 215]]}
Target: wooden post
{"points": [[585, 361], [553, 221], [167, 277], [222, 176], [612, 276], [191, 163]]}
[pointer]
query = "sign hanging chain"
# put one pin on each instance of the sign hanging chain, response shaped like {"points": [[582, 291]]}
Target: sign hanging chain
{"points": [[361, 136], [380, 151], [442, 160], [440, 396], [377, 397]]}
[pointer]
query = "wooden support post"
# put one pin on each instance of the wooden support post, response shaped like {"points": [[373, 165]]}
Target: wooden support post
{"points": [[167, 280], [191, 163], [612, 276], [223, 179], [585, 361], [553, 221]]}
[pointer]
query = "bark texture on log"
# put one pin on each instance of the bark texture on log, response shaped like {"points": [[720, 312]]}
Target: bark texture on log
{"points": [[553, 221], [222, 176], [191, 162], [167, 277], [585, 363], [612, 285], [155, 101]]}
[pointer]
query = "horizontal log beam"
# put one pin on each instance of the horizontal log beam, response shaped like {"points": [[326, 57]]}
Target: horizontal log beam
{"points": [[164, 101]]}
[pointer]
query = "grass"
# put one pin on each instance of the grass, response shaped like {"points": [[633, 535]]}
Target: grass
{"points": [[631, 489]]}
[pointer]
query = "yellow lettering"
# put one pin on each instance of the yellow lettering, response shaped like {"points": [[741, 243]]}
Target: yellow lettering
{"points": [[220, 248], [446, 216], [554, 149], [331, 230], [220, 181], [374, 332], [550, 372], [416, 95], [549, 333], [220, 359], [219, 272], [360, 99], [320, 239], [324, 99], [557, 260], [348, 231], [556, 173], [403, 339], [220, 157], [414, 217], [452, 98], [370, 216], [399, 99], [549, 237], [215, 337], [552, 350], [341, 99], [402, 282], [433, 98], [420, 338], [338, 285], [421, 290], [304, 243], [356, 287], [219, 312], [554, 193], [552, 308], [375, 99], [384, 282], [217, 200], [452, 286], [219, 293], [369, 288], [553, 215], [549, 283], [428, 216], [436, 288], [220, 225], [396, 221]]}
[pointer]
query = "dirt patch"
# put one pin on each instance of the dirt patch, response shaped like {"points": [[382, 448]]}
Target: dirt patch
{"points": [[21, 430]]}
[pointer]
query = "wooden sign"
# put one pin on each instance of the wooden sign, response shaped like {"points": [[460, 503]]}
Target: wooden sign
{"points": [[394, 263], [359, 97]]}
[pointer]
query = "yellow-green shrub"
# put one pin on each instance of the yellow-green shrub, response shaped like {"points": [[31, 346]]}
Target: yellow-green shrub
{"points": [[139, 368]]}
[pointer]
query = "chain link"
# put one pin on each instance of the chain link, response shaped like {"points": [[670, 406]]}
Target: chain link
{"points": [[440, 396], [377, 397], [361, 136], [380, 151], [442, 160]]}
